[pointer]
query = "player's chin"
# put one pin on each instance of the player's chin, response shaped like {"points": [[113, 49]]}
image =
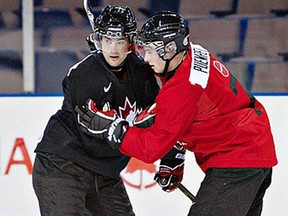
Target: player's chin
{"points": [[156, 70], [114, 62]]}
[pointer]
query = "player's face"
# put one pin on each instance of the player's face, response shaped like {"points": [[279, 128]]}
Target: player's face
{"points": [[115, 50], [153, 59]]}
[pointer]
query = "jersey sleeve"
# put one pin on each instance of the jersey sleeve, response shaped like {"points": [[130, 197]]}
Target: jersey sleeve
{"points": [[174, 112]]}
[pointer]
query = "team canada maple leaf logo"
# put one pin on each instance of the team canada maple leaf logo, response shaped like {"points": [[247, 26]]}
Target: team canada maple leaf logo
{"points": [[136, 171], [138, 174], [128, 111]]}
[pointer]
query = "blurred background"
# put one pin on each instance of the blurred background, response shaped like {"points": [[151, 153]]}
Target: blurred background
{"points": [[41, 39], [249, 36]]}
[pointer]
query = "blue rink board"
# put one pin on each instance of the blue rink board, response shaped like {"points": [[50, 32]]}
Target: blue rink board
{"points": [[61, 94]]}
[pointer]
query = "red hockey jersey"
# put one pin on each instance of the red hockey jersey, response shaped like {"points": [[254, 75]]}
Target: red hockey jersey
{"points": [[204, 106]]}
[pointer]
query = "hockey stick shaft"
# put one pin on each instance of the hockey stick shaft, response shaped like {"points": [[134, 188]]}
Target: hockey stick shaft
{"points": [[184, 190], [90, 15]]}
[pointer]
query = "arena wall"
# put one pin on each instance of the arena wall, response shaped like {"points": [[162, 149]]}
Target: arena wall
{"points": [[23, 119]]}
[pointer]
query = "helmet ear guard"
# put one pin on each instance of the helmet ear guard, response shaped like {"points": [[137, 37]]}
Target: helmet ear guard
{"points": [[91, 42], [170, 50]]}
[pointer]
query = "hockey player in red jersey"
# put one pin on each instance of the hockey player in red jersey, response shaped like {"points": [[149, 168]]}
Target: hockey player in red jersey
{"points": [[203, 106]]}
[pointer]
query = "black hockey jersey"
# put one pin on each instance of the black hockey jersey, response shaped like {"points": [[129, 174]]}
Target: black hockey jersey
{"points": [[128, 91]]}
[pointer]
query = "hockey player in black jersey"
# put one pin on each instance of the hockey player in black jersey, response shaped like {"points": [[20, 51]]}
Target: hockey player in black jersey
{"points": [[78, 174]]}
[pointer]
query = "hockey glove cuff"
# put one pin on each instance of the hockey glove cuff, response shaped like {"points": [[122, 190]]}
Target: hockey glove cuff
{"points": [[116, 132], [171, 167], [145, 118]]}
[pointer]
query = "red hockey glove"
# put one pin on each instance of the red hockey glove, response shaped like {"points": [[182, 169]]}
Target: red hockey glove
{"points": [[171, 167], [145, 118], [103, 125]]}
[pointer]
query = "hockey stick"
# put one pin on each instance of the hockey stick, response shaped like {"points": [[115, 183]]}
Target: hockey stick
{"points": [[184, 189], [90, 15]]}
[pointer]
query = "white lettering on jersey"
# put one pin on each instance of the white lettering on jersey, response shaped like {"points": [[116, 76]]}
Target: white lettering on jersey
{"points": [[200, 66]]}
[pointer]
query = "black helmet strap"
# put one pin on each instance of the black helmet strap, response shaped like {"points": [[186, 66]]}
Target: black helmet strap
{"points": [[167, 63]]}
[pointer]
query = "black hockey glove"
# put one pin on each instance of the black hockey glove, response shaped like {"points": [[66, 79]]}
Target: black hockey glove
{"points": [[145, 118], [103, 125], [93, 121], [116, 132], [171, 167]]}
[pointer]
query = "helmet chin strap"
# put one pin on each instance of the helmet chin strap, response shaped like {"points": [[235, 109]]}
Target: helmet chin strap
{"points": [[167, 63]]}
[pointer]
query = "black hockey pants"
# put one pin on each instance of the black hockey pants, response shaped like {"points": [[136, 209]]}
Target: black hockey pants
{"points": [[232, 192], [66, 189]]}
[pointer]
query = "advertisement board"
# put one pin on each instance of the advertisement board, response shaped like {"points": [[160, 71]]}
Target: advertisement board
{"points": [[24, 118]]}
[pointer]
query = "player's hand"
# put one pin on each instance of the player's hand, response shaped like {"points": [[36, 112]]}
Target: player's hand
{"points": [[171, 167], [145, 118], [93, 121], [103, 125]]}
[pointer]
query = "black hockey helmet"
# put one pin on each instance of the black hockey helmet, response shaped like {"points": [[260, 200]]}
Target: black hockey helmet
{"points": [[163, 28], [116, 21]]}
